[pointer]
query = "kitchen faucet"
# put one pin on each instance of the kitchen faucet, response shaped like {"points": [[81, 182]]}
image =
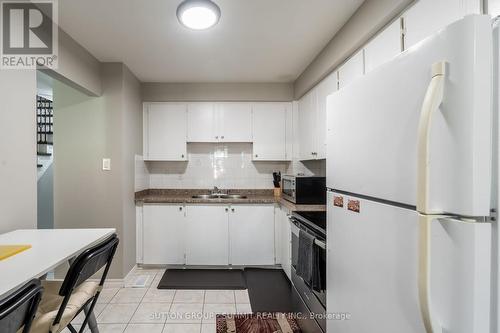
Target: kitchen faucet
{"points": [[216, 190]]}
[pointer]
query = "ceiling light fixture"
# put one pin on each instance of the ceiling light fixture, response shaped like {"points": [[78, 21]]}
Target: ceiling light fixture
{"points": [[198, 14]]}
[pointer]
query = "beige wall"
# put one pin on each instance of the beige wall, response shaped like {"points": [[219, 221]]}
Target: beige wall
{"points": [[76, 66], [161, 92], [88, 129], [372, 16], [131, 133], [18, 203]]}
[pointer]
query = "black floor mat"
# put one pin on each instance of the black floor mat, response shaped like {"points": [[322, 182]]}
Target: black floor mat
{"points": [[269, 290], [216, 279]]}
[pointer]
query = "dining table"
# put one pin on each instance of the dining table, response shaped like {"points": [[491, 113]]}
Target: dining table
{"points": [[49, 248]]}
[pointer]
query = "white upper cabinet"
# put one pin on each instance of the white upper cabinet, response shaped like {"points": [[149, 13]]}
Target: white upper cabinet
{"points": [[307, 126], [169, 126], [219, 122], [165, 132], [312, 119], [427, 17], [325, 88], [234, 122], [384, 47], [201, 122], [270, 134], [352, 69]]}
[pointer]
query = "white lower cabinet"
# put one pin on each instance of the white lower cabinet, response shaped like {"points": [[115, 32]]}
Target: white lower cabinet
{"points": [[251, 234], [207, 235], [285, 241], [163, 234]]}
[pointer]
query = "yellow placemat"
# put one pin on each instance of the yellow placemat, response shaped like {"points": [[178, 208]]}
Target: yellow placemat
{"points": [[10, 250]]}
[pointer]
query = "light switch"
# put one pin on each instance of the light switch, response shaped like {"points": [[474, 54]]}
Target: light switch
{"points": [[106, 164]]}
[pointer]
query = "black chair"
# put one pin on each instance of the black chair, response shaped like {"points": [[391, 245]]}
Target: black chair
{"points": [[62, 302], [18, 309]]}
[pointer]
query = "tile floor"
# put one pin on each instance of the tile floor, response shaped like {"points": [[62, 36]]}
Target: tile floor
{"points": [[151, 310]]}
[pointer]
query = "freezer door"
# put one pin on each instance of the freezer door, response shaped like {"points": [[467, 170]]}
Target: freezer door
{"points": [[372, 270], [373, 124]]}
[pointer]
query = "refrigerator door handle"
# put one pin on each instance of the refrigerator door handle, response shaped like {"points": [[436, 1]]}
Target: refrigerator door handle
{"points": [[424, 273], [432, 100]]}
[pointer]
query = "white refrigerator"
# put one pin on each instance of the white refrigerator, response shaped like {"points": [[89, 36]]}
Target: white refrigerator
{"points": [[409, 177]]}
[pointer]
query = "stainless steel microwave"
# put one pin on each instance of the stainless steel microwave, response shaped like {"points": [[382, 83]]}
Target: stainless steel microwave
{"points": [[304, 189]]}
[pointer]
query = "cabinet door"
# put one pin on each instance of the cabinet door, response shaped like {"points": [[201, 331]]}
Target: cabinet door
{"points": [[307, 126], [384, 47], [269, 131], [352, 69], [326, 87], [207, 236], [163, 234], [286, 242], [165, 132], [234, 122], [427, 17], [201, 122], [251, 234]]}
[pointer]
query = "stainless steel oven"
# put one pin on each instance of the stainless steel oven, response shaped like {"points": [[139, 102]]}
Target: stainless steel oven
{"points": [[304, 189], [313, 223]]}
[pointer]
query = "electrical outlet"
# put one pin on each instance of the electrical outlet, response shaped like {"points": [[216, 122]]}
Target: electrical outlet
{"points": [[106, 164]]}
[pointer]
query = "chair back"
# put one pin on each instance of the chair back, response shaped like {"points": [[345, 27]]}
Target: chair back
{"points": [[19, 308], [88, 263]]}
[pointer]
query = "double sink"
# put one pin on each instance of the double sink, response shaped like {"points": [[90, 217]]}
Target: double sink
{"points": [[219, 196]]}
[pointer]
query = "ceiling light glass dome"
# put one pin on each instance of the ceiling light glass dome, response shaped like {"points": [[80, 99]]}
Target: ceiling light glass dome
{"points": [[198, 14]]}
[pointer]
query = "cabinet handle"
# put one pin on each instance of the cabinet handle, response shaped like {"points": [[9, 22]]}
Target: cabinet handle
{"points": [[232, 209], [227, 209], [222, 137], [182, 155], [256, 155], [217, 137]]}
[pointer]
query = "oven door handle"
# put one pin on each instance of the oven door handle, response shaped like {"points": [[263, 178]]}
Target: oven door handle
{"points": [[321, 244], [294, 221], [295, 227], [318, 242]]}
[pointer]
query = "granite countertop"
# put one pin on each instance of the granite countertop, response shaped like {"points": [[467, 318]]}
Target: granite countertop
{"points": [[253, 196], [185, 196]]}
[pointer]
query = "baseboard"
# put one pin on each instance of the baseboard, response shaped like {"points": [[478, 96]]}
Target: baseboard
{"points": [[118, 283], [150, 266]]}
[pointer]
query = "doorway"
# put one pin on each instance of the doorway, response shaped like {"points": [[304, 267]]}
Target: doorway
{"points": [[45, 151]]}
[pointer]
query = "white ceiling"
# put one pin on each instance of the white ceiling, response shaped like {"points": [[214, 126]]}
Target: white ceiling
{"points": [[255, 40]]}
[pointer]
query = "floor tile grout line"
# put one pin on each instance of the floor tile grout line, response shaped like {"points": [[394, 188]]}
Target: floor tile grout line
{"points": [[204, 302], [138, 304], [203, 309], [126, 325], [168, 312]]}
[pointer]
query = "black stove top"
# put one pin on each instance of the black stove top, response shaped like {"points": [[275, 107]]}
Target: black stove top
{"points": [[316, 218]]}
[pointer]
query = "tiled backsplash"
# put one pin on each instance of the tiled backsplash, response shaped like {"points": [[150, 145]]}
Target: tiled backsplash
{"points": [[141, 174], [226, 166], [209, 165]]}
